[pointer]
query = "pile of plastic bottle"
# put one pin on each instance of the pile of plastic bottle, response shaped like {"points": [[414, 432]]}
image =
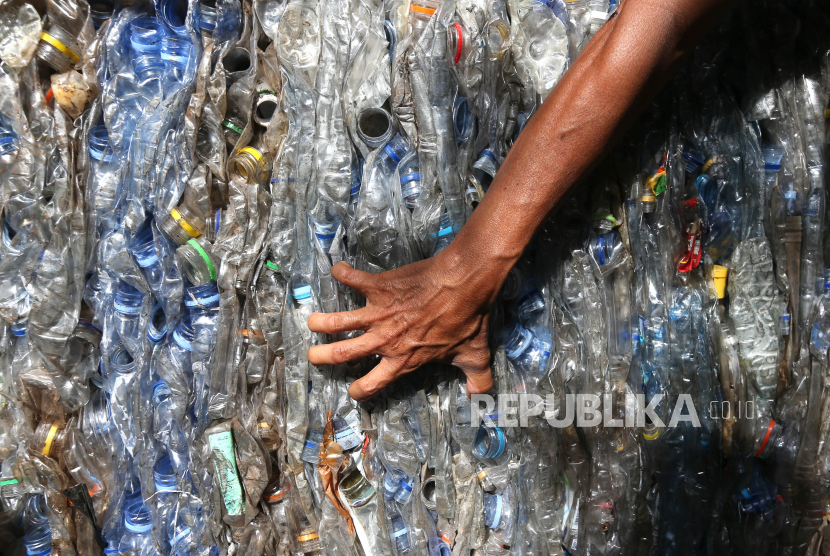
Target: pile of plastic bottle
{"points": [[177, 179]]}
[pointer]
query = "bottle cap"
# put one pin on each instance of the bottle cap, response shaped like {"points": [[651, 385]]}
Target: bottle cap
{"points": [[719, 274]]}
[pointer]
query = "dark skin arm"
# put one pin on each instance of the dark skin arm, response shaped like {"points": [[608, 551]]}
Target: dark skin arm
{"points": [[437, 309]]}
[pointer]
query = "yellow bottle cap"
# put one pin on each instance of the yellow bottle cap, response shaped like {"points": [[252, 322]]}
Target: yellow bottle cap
{"points": [[719, 273]]}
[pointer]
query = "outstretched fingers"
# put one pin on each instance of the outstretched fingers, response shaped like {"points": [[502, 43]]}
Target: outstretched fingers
{"points": [[378, 379]]}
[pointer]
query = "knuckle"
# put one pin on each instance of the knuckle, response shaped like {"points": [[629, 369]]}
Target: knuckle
{"points": [[480, 362], [334, 322], [389, 336], [371, 388], [475, 360], [340, 351]]}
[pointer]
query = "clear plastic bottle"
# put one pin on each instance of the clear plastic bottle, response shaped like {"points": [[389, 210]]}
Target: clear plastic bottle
{"points": [[275, 500], [357, 177], [326, 221], [38, 540], [197, 262], [405, 490], [207, 16], [772, 439], [183, 225], [167, 487], [49, 439], [485, 168], [232, 128], [540, 43], [182, 344], [100, 11], [157, 327], [375, 127], [205, 296], [445, 234], [212, 224], [391, 484], [106, 174], [409, 170], [361, 497], [308, 540], [531, 304], [97, 421], [35, 511], [127, 307], [266, 104], [174, 14], [251, 164], [146, 33], [27, 363], [149, 72], [500, 514], [270, 299], [463, 118], [137, 539], [176, 52], [12, 492], [121, 362], [400, 534], [59, 48], [181, 537], [528, 352], [428, 493], [9, 142], [490, 443], [311, 450]]}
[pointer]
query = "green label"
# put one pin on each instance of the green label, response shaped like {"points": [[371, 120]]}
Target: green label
{"points": [[660, 186], [221, 446], [9, 482]]}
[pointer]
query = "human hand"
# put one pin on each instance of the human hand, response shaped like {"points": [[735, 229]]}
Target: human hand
{"points": [[421, 312]]}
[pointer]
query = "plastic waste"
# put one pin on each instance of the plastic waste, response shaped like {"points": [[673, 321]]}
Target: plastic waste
{"points": [[177, 180]]}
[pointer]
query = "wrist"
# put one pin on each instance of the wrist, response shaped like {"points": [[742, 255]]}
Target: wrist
{"points": [[478, 270]]}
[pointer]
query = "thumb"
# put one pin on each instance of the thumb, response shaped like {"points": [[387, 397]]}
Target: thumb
{"points": [[479, 382], [355, 279]]}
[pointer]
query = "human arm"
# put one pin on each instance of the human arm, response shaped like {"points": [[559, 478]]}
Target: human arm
{"points": [[436, 309]]}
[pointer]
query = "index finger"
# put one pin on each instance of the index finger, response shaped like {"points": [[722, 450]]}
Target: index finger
{"points": [[334, 323]]}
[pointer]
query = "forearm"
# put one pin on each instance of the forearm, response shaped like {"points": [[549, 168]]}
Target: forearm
{"points": [[613, 79]]}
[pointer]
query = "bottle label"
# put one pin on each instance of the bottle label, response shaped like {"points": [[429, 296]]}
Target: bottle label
{"points": [[221, 446], [347, 430]]}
